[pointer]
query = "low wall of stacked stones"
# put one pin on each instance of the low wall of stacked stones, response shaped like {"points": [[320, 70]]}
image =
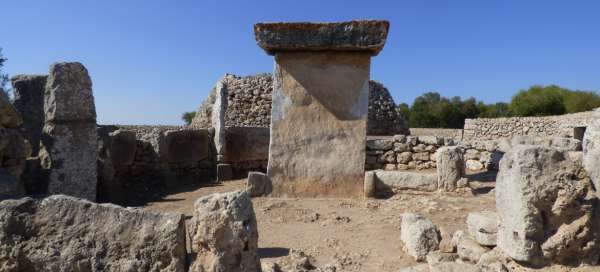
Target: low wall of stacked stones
{"points": [[547, 126], [454, 133], [402, 152]]}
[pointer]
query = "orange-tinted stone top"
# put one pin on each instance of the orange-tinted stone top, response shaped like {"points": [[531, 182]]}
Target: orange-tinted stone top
{"points": [[364, 35]]}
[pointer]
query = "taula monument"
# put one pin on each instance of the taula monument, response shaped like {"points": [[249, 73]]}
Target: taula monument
{"points": [[320, 104]]}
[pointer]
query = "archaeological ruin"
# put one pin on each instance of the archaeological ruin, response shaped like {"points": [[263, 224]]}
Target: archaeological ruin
{"points": [[309, 168]]}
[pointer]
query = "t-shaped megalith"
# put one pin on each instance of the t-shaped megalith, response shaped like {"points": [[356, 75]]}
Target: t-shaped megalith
{"points": [[320, 103]]}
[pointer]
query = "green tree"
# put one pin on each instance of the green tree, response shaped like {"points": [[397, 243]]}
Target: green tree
{"points": [[539, 101], [3, 76], [187, 117], [496, 110], [435, 111], [404, 110], [577, 101]]}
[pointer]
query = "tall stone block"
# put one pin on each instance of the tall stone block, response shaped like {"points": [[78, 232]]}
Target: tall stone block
{"points": [[29, 101], [320, 104], [69, 141]]}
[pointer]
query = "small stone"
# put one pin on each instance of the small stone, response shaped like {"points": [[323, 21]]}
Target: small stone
{"points": [[258, 184], [419, 234], [224, 172], [483, 226]]}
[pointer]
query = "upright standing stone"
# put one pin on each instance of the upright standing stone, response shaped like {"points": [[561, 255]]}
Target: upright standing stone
{"points": [[591, 150], [69, 141], [320, 104], [29, 101], [450, 167], [218, 117]]}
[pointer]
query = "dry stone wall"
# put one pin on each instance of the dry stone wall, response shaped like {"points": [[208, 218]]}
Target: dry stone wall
{"points": [[28, 99], [249, 105], [547, 126]]}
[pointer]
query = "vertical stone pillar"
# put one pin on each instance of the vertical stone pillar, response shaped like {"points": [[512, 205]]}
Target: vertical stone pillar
{"points": [[69, 139], [29, 101], [320, 104], [450, 167]]}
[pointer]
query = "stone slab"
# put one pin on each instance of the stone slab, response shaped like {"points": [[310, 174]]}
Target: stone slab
{"points": [[366, 35], [318, 124], [401, 180], [68, 94]]}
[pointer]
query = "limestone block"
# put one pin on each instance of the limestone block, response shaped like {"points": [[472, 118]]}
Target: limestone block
{"points": [[474, 165], [122, 147], [69, 94], [9, 117], [365, 36], [420, 156], [10, 186], [450, 167], [431, 140], [370, 186], [472, 154], [69, 234], [483, 226], [566, 144], [186, 145], [546, 212], [224, 172], [591, 150], [224, 234], [469, 250], [258, 184], [398, 180], [69, 154], [380, 144], [419, 235], [246, 144], [28, 99], [453, 267], [318, 116], [401, 147]]}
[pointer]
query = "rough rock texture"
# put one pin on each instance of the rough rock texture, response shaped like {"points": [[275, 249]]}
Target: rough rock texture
{"points": [[370, 185], [468, 249], [386, 181], [249, 105], [224, 234], [483, 226], [454, 267], [543, 126], [116, 152], [547, 211], [28, 99], [591, 150], [14, 149], [69, 140], [419, 235], [369, 36], [450, 167], [258, 184], [320, 104], [383, 118], [61, 233]]}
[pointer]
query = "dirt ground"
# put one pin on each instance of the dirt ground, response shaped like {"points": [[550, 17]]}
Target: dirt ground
{"points": [[358, 234]]}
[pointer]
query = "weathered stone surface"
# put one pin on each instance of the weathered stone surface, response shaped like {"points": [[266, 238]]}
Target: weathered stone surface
{"points": [[69, 146], [224, 233], [9, 117], [186, 145], [68, 95], [219, 109], [546, 212], [368, 36], [61, 233], [246, 144], [416, 268], [258, 184], [319, 116], [370, 186], [450, 167], [224, 172], [380, 144], [431, 140], [591, 150], [123, 145], [419, 235], [468, 249], [28, 99], [10, 186], [474, 165], [398, 180], [69, 155], [436, 257], [383, 117], [483, 226], [453, 267]]}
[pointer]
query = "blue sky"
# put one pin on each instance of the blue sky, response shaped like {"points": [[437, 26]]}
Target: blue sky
{"points": [[152, 60]]}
